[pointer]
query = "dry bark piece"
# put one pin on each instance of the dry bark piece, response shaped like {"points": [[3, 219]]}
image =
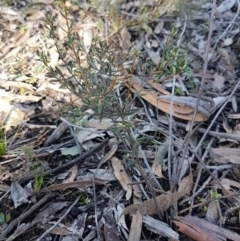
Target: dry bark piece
{"points": [[109, 234], [58, 132], [198, 229], [226, 155], [159, 228], [110, 230]]}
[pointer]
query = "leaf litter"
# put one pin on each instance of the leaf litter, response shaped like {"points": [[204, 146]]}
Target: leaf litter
{"points": [[52, 159]]}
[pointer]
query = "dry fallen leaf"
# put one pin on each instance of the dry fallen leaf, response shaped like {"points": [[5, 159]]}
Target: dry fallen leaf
{"points": [[212, 214], [225, 6], [87, 39], [136, 224], [137, 191], [6, 95], [18, 194], [226, 155], [54, 57], [228, 41], [183, 107], [76, 100], [158, 162], [73, 174], [16, 45], [125, 42], [157, 170], [154, 56], [234, 103], [159, 27], [226, 59], [55, 87], [122, 176], [103, 174], [164, 201], [154, 44], [85, 135], [110, 154], [228, 184], [218, 82], [14, 114]]}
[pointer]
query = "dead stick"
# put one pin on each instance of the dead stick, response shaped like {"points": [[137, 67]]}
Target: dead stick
{"points": [[212, 133], [25, 215], [66, 165], [200, 91]]}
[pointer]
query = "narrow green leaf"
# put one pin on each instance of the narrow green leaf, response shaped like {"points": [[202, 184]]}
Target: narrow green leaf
{"points": [[2, 217]]}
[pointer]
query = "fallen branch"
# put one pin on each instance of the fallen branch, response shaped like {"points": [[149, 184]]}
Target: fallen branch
{"points": [[25, 215], [66, 165]]}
